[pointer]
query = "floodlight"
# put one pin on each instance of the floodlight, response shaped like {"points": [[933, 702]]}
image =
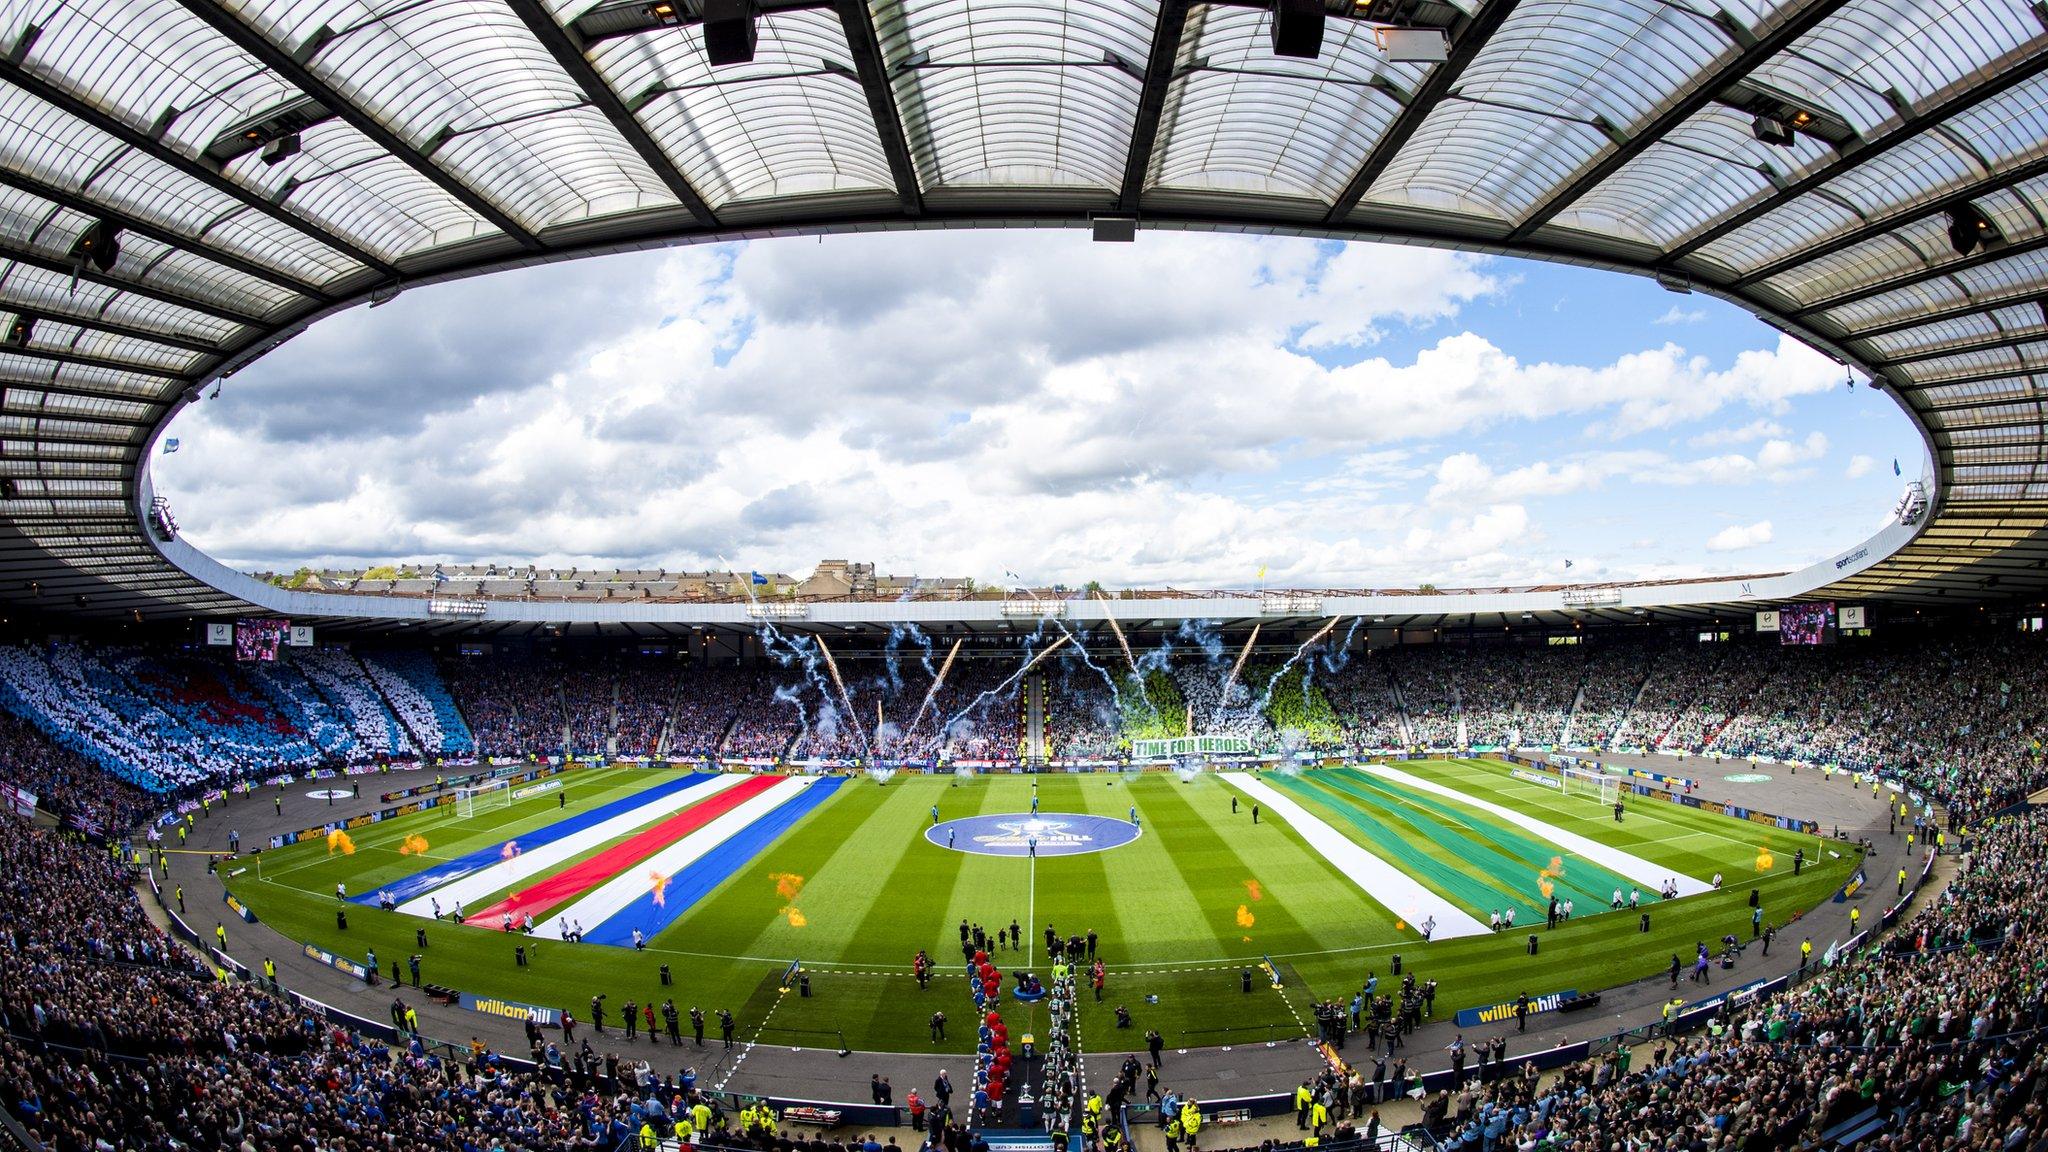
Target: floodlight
{"points": [[1415, 45], [1114, 228], [1772, 130], [21, 331]]}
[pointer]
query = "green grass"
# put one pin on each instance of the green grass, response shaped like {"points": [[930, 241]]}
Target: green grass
{"points": [[1180, 911]]}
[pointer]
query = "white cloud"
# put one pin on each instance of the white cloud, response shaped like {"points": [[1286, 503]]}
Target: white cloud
{"points": [[1673, 316], [1859, 466], [1754, 430], [947, 404], [1735, 538]]}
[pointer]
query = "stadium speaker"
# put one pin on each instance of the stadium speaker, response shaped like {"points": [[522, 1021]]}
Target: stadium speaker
{"points": [[1298, 28], [281, 149], [729, 32], [1968, 229], [100, 243], [1771, 129]]}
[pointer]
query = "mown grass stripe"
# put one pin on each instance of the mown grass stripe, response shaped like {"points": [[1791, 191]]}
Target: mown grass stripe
{"points": [[1488, 846], [1381, 831]]}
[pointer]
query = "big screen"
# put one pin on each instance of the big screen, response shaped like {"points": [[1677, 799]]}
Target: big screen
{"points": [[1807, 623], [260, 639]]}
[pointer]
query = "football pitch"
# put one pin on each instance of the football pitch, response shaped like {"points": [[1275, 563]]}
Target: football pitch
{"points": [[739, 876]]}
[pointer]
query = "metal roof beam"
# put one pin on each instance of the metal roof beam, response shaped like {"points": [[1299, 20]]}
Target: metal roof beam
{"points": [[859, 25], [569, 52], [197, 247], [43, 311], [2038, 421], [2005, 74], [1466, 43], [1746, 60], [286, 65], [1159, 62], [1988, 344], [1976, 402], [1954, 198], [1977, 259], [43, 90], [172, 381], [1952, 312], [90, 275]]}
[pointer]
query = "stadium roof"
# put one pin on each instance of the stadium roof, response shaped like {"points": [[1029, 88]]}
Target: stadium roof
{"points": [[184, 184]]}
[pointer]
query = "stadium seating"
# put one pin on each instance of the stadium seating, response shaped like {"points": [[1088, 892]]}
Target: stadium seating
{"points": [[513, 704], [337, 675], [413, 687], [1950, 714]]}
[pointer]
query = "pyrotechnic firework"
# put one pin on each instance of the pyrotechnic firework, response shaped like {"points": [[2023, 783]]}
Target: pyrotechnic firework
{"points": [[413, 845], [339, 841]]}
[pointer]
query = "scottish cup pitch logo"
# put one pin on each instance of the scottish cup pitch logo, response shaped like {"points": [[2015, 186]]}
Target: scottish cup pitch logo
{"points": [[1049, 834]]}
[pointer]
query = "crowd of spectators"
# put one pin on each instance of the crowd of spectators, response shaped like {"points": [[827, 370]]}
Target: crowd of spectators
{"points": [[163, 718], [980, 710], [1923, 706], [117, 1039], [512, 702], [412, 685], [64, 782], [1220, 704], [1612, 679], [1082, 719], [646, 693], [335, 673], [1934, 1034], [589, 697], [1366, 704]]}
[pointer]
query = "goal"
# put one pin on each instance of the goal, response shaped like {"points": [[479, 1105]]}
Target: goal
{"points": [[1593, 785], [496, 794]]}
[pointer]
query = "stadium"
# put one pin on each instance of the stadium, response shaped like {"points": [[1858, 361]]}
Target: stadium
{"points": [[336, 850]]}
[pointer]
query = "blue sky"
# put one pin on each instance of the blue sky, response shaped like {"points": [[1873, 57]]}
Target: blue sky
{"points": [[1184, 410]]}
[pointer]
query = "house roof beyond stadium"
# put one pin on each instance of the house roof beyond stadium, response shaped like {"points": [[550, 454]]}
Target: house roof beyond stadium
{"points": [[1870, 175]]}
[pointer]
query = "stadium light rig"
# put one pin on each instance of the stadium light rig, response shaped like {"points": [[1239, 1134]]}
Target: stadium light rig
{"points": [[450, 606], [1591, 597], [1290, 604], [1039, 609], [779, 610]]}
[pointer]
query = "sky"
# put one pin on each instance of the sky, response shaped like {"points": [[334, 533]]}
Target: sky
{"points": [[1190, 410]]}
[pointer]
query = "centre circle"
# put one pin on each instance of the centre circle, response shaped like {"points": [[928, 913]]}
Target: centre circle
{"points": [[1026, 834]]}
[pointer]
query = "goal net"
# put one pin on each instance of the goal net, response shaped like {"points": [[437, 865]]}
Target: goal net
{"points": [[1592, 785], [496, 794]]}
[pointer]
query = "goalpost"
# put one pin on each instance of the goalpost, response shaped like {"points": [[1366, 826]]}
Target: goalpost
{"points": [[1593, 785], [494, 794]]}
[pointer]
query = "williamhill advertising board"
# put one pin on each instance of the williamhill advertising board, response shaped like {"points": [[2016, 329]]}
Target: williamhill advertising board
{"points": [[1505, 1011]]}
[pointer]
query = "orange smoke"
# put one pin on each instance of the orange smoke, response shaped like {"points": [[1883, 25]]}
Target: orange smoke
{"points": [[338, 841], [660, 884], [787, 885], [1545, 880], [1400, 925], [1245, 919], [1764, 860], [1257, 893], [796, 918], [413, 845]]}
